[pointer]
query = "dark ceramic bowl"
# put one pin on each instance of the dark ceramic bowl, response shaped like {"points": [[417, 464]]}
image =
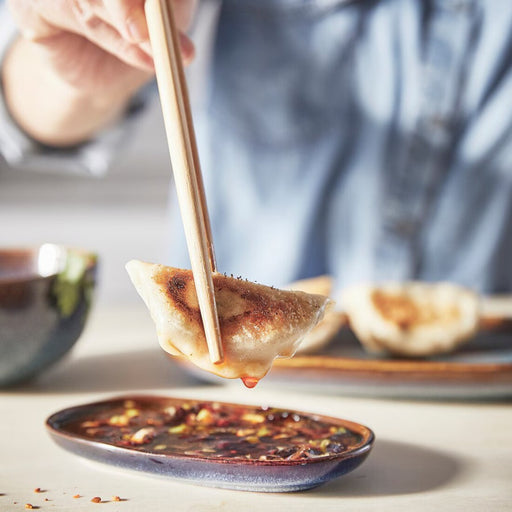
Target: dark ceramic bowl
{"points": [[45, 296]]}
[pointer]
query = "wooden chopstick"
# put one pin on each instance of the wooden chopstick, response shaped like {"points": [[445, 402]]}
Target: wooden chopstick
{"points": [[177, 116]]}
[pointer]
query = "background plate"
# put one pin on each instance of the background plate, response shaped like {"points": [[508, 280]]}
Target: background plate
{"points": [[482, 368]]}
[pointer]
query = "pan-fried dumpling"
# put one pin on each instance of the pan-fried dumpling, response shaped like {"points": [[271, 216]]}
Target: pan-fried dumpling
{"points": [[322, 334], [257, 323], [411, 318]]}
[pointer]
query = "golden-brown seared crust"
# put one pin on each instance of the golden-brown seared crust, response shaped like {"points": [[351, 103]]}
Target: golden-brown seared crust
{"points": [[241, 304], [180, 291], [405, 313]]}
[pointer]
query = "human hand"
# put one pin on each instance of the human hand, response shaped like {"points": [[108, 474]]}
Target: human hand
{"points": [[96, 46]]}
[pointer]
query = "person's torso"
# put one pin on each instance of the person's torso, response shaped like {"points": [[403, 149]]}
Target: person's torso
{"points": [[367, 140]]}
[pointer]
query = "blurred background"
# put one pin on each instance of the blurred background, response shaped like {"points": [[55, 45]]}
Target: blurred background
{"points": [[120, 216]]}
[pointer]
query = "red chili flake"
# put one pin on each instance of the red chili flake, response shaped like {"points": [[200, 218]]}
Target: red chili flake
{"points": [[77, 496], [116, 498], [38, 490], [96, 499], [30, 506]]}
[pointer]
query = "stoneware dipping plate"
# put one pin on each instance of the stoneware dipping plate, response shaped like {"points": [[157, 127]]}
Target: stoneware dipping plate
{"points": [[214, 444]]}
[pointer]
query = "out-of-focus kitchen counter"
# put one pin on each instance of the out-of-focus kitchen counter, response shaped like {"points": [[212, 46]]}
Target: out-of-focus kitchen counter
{"points": [[429, 455]]}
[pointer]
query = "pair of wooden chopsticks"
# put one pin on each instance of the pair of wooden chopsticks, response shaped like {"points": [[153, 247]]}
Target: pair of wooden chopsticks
{"points": [[185, 163]]}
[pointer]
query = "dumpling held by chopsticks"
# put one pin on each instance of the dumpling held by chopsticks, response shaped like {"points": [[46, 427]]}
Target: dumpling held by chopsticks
{"points": [[258, 323]]}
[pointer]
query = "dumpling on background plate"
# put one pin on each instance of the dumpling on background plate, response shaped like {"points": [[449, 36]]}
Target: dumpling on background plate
{"points": [[411, 318], [323, 333]]}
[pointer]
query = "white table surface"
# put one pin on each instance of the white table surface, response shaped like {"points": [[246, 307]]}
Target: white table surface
{"points": [[445, 456]]}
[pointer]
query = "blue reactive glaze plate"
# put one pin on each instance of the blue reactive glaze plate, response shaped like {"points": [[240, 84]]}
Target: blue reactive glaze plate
{"points": [[481, 369], [216, 444]]}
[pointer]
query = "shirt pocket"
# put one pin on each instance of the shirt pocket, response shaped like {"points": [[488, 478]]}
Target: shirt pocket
{"points": [[282, 69]]}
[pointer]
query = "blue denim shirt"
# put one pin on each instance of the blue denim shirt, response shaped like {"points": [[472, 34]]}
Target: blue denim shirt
{"points": [[370, 140]]}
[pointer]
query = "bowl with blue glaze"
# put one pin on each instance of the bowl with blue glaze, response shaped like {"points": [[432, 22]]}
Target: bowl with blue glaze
{"points": [[45, 297], [214, 444]]}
